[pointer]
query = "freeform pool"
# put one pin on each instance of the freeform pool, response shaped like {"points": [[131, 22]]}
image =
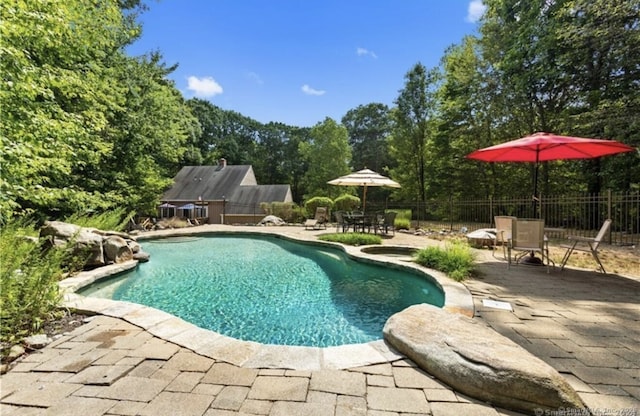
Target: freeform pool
{"points": [[270, 290]]}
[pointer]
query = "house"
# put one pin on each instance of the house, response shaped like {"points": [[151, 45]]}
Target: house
{"points": [[224, 194]]}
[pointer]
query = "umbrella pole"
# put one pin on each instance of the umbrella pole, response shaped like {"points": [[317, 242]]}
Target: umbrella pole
{"points": [[364, 199], [532, 259], [535, 189]]}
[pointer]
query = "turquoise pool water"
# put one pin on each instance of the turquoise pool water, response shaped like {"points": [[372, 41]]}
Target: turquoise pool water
{"points": [[269, 290]]}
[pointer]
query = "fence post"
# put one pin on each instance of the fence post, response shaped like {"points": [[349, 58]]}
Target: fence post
{"points": [[224, 206], [451, 212], [609, 205], [490, 210]]}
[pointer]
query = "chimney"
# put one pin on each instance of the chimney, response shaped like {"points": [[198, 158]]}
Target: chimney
{"points": [[222, 163]]}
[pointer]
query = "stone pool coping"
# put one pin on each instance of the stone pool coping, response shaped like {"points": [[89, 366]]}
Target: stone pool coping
{"points": [[250, 354]]}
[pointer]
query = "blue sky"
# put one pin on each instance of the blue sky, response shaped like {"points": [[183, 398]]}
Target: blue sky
{"points": [[300, 61]]}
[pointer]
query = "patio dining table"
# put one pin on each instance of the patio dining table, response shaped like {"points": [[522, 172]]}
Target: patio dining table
{"points": [[360, 221]]}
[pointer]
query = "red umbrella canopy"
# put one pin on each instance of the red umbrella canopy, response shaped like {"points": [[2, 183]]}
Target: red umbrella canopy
{"points": [[541, 147]]}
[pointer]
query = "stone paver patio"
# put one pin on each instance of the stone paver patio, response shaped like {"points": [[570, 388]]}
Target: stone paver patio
{"points": [[145, 362]]}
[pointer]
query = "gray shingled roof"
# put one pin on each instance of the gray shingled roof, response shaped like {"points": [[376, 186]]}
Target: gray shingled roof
{"points": [[234, 183], [246, 198], [211, 183]]}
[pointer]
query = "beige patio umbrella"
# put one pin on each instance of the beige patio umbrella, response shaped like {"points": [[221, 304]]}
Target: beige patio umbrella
{"points": [[364, 178]]}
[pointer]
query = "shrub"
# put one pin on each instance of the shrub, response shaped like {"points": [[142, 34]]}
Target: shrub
{"points": [[29, 278], [455, 259], [352, 239], [403, 218], [402, 213], [285, 210], [401, 223], [346, 202], [114, 220], [317, 201], [173, 222]]}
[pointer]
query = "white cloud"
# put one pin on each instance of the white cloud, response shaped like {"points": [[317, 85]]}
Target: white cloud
{"points": [[204, 87], [364, 52], [255, 78], [311, 91], [475, 10]]}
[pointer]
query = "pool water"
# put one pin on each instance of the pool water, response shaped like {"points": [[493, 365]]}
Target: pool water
{"points": [[269, 290]]}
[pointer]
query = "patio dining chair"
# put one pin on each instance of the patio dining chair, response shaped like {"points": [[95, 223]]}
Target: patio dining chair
{"points": [[341, 222], [387, 222], [528, 238], [588, 245], [504, 230]]}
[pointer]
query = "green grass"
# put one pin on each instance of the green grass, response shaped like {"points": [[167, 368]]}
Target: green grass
{"points": [[455, 259], [352, 239]]}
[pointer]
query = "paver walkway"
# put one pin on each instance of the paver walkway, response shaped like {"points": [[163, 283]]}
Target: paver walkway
{"points": [[584, 324]]}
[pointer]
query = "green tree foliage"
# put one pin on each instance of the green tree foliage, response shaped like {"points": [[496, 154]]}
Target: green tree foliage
{"points": [[568, 67], [149, 135], [414, 129], [599, 45], [55, 97], [85, 127], [271, 166], [328, 156], [369, 127]]}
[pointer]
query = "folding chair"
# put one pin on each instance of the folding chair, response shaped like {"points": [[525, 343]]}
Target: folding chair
{"points": [[528, 238], [589, 245], [504, 229]]}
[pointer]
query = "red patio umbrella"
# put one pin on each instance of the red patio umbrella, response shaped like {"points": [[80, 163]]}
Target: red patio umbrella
{"points": [[543, 147]]}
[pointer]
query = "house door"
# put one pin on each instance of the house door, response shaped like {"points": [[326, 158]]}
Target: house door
{"points": [[216, 211]]}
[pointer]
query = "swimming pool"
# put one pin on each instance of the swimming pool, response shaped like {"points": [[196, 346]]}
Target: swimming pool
{"points": [[270, 290]]}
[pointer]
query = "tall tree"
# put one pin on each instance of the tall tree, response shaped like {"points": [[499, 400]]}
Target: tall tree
{"points": [[415, 122], [271, 166], [599, 56], [369, 127], [473, 109], [149, 135], [328, 156]]}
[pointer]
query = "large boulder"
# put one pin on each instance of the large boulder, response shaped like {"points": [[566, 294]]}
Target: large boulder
{"points": [[116, 249], [59, 229], [95, 247], [85, 243], [272, 220], [477, 361]]}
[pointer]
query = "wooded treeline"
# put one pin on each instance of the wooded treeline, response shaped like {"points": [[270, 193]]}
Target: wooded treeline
{"points": [[86, 127]]}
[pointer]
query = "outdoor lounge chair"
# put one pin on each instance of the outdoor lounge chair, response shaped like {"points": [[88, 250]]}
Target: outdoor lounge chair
{"points": [[319, 220], [528, 238], [588, 245], [504, 229]]}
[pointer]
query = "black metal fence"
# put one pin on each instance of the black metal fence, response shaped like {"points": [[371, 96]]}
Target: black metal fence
{"points": [[575, 215]]}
